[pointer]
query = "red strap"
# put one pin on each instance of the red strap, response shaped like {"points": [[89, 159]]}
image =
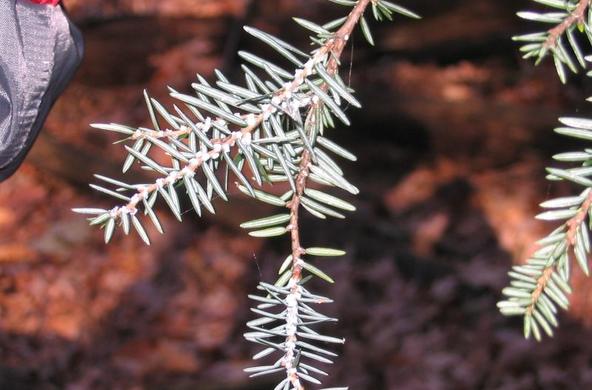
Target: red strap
{"points": [[51, 2]]}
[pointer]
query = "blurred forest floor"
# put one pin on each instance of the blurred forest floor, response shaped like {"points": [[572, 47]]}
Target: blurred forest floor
{"points": [[452, 145]]}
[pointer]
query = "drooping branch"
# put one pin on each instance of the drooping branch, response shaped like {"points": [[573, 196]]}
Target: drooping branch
{"points": [[339, 42], [296, 277]]}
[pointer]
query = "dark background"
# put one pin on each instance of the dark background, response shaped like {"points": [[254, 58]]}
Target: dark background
{"points": [[452, 143]]}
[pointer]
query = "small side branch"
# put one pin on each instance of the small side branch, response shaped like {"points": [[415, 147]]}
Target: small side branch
{"points": [[577, 16], [219, 146], [333, 47], [572, 226]]}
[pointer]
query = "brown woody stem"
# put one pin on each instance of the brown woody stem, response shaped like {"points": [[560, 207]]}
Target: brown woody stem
{"points": [[576, 221], [334, 48], [541, 285], [577, 16]]}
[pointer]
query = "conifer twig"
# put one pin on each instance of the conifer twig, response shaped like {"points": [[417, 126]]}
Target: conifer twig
{"points": [[577, 16], [336, 49], [278, 135]]}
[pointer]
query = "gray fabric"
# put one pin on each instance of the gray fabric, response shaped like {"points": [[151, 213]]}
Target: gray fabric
{"points": [[39, 52]]}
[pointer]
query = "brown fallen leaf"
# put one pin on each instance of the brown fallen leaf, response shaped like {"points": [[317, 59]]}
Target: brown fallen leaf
{"points": [[16, 253]]}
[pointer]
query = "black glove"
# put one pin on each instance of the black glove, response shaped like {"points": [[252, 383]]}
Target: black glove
{"points": [[39, 52]]}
